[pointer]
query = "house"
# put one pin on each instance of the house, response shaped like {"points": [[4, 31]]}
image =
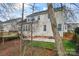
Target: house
{"points": [[10, 25], [71, 25], [1, 26], [41, 25]]}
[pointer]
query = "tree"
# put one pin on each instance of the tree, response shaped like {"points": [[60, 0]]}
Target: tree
{"points": [[5, 10], [31, 28], [21, 36], [58, 39]]}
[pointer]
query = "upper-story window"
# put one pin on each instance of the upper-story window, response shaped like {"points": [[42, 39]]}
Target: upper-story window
{"points": [[44, 27], [28, 19], [38, 17], [59, 27], [31, 19]]}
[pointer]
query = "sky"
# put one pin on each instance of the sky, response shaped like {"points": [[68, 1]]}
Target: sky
{"points": [[27, 9]]}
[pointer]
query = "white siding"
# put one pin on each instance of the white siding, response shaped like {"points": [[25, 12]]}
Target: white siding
{"points": [[45, 21]]}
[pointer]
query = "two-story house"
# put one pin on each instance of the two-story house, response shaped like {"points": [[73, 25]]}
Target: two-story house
{"points": [[40, 24]]}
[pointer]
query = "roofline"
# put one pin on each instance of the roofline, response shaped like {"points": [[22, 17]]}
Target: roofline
{"points": [[11, 20], [72, 22], [43, 12], [40, 12]]}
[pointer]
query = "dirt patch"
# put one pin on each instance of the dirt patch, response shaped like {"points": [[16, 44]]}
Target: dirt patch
{"points": [[11, 48], [39, 52]]}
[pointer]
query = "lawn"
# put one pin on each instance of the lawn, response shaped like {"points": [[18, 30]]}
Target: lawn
{"points": [[48, 45], [38, 46], [68, 45]]}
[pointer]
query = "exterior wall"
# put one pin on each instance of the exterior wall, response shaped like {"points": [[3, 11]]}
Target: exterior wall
{"points": [[6, 27], [38, 32], [10, 26], [48, 34], [60, 20], [65, 28], [1, 27]]}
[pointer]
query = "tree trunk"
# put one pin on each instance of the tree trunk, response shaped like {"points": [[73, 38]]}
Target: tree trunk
{"points": [[58, 39], [21, 37]]}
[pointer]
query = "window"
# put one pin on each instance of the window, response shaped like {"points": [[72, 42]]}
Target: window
{"points": [[33, 19], [69, 26], [59, 27], [19, 28], [28, 19], [44, 28], [29, 27], [65, 26], [26, 27], [38, 17]]}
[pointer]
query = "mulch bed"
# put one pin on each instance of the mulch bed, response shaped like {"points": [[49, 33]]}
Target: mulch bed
{"points": [[68, 36]]}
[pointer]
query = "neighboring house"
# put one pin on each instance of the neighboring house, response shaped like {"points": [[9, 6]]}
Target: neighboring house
{"points": [[1, 26], [10, 25], [71, 25], [41, 25]]}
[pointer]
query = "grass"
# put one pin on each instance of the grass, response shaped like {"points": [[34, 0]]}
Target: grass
{"points": [[69, 44], [48, 45], [69, 47]]}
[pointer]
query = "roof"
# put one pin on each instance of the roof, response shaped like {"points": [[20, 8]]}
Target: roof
{"points": [[43, 12], [11, 20], [25, 22], [33, 14], [38, 13]]}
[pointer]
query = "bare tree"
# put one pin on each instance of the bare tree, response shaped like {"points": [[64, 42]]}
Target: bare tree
{"points": [[21, 37], [33, 8], [58, 39], [5, 10]]}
